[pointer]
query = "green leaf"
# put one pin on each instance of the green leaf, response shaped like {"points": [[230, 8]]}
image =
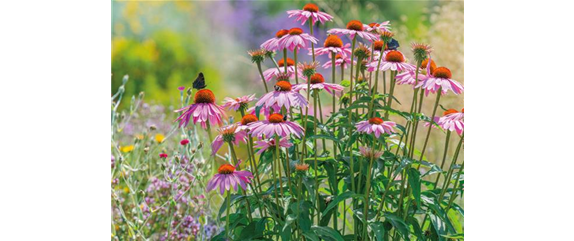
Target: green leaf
{"points": [[345, 83], [379, 230], [310, 235], [438, 225], [327, 233], [415, 182], [338, 199], [399, 224], [416, 228]]}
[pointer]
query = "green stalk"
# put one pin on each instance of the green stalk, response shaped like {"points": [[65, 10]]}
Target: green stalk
{"points": [[443, 156], [234, 156], [375, 88], [262, 77], [391, 91], [368, 192], [439, 93], [295, 59], [312, 45], [285, 60], [315, 162], [227, 215]]}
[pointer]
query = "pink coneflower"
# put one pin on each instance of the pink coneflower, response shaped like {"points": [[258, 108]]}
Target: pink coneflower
{"points": [[339, 60], [333, 44], [231, 134], [318, 83], [441, 78], [377, 27], [296, 39], [354, 27], [376, 125], [392, 60], [237, 103], [408, 77], [228, 177], [275, 125], [271, 44], [282, 96], [368, 152], [310, 11], [453, 121], [275, 72], [204, 109], [184, 142], [162, 155], [270, 143]]}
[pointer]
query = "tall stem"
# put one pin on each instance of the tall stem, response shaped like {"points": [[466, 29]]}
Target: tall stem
{"points": [[312, 45], [391, 91], [315, 162], [296, 69], [368, 191], [438, 94], [228, 234], [236, 162], [285, 60], [262, 77], [446, 142]]}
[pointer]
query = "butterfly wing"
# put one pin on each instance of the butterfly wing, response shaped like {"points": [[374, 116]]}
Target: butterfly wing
{"points": [[199, 82], [393, 44]]}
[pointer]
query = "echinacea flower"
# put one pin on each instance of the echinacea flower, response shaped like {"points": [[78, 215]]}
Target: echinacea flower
{"points": [[369, 153], [227, 177], [340, 60], [310, 11], [377, 27], [421, 51], [362, 52], [270, 143], [248, 118], [271, 73], [318, 83], [230, 134], [271, 44], [203, 110], [333, 44], [453, 121], [376, 125], [354, 27], [392, 60], [296, 39], [408, 77], [257, 56], [440, 79], [275, 125], [301, 167], [308, 68], [239, 103], [282, 96]]}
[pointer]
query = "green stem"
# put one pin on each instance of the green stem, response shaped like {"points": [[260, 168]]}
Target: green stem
{"points": [[439, 93], [391, 91], [312, 45], [295, 59], [315, 161], [368, 192], [262, 77], [285, 60], [446, 142], [227, 215]]}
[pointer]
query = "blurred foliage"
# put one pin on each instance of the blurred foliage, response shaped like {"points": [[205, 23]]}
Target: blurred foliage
{"points": [[164, 45]]}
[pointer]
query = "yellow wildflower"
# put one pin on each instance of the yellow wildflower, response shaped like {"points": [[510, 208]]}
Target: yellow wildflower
{"points": [[159, 138], [127, 148]]}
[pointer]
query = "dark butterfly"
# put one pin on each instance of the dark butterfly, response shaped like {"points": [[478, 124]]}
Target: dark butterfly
{"points": [[199, 82], [285, 118], [393, 44]]}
